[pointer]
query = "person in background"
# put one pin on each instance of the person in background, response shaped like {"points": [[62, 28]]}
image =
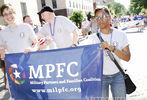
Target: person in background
{"points": [[93, 26], [84, 27], [115, 22], [27, 19], [58, 29]]}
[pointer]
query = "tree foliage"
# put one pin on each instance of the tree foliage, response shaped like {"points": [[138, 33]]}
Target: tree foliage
{"points": [[140, 3], [116, 9], [137, 6], [77, 17]]}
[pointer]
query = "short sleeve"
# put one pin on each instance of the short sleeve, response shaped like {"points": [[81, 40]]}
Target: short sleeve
{"points": [[44, 30], [124, 42], [69, 26]]}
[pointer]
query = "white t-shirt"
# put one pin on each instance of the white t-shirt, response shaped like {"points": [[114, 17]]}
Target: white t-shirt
{"points": [[119, 39], [63, 36], [17, 39]]}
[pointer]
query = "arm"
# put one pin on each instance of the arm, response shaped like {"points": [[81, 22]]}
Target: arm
{"points": [[2, 53], [123, 54], [75, 37], [32, 38], [33, 48], [43, 41]]}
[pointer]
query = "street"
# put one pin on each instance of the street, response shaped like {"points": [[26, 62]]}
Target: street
{"points": [[136, 67]]}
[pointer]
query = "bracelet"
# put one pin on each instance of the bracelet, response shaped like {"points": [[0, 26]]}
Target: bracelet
{"points": [[114, 49]]}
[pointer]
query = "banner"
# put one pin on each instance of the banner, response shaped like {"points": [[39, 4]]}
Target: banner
{"points": [[62, 74]]}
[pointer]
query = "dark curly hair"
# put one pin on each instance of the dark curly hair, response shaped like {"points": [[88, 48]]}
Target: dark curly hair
{"points": [[102, 9]]}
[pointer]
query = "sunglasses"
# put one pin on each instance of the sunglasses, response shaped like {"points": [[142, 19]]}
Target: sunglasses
{"points": [[102, 17]]}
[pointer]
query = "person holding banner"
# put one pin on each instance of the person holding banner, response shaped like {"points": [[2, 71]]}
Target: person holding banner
{"points": [[15, 38], [60, 29], [116, 41]]}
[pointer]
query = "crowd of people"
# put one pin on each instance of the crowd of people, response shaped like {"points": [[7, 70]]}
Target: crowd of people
{"points": [[118, 22], [59, 32]]}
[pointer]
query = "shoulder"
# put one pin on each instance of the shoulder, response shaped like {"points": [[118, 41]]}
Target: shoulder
{"points": [[25, 26], [62, 18], [5, 30], [118, 32], [46, 25]]}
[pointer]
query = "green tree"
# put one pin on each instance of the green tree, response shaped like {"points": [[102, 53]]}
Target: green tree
{"points": [[137, 6], [116, 9], [134, 7], [135, 10], [77, 17], [140, 3], [89, 15]]}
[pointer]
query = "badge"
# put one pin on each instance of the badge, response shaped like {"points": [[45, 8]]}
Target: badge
{"points": [[22, 34], [115, 43]]}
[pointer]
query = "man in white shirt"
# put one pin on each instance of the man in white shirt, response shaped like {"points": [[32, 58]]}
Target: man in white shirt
{"points": [[59, 28]]}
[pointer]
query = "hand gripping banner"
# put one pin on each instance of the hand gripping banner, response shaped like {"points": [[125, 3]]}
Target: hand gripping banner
{"points": [[62, 74]]}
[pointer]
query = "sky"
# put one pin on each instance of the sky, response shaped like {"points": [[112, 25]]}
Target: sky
{"points": [[126, 3]]}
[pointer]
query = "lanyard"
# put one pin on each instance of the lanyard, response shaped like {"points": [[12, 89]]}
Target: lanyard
{"points": [[110, 37], [52, 31]]}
